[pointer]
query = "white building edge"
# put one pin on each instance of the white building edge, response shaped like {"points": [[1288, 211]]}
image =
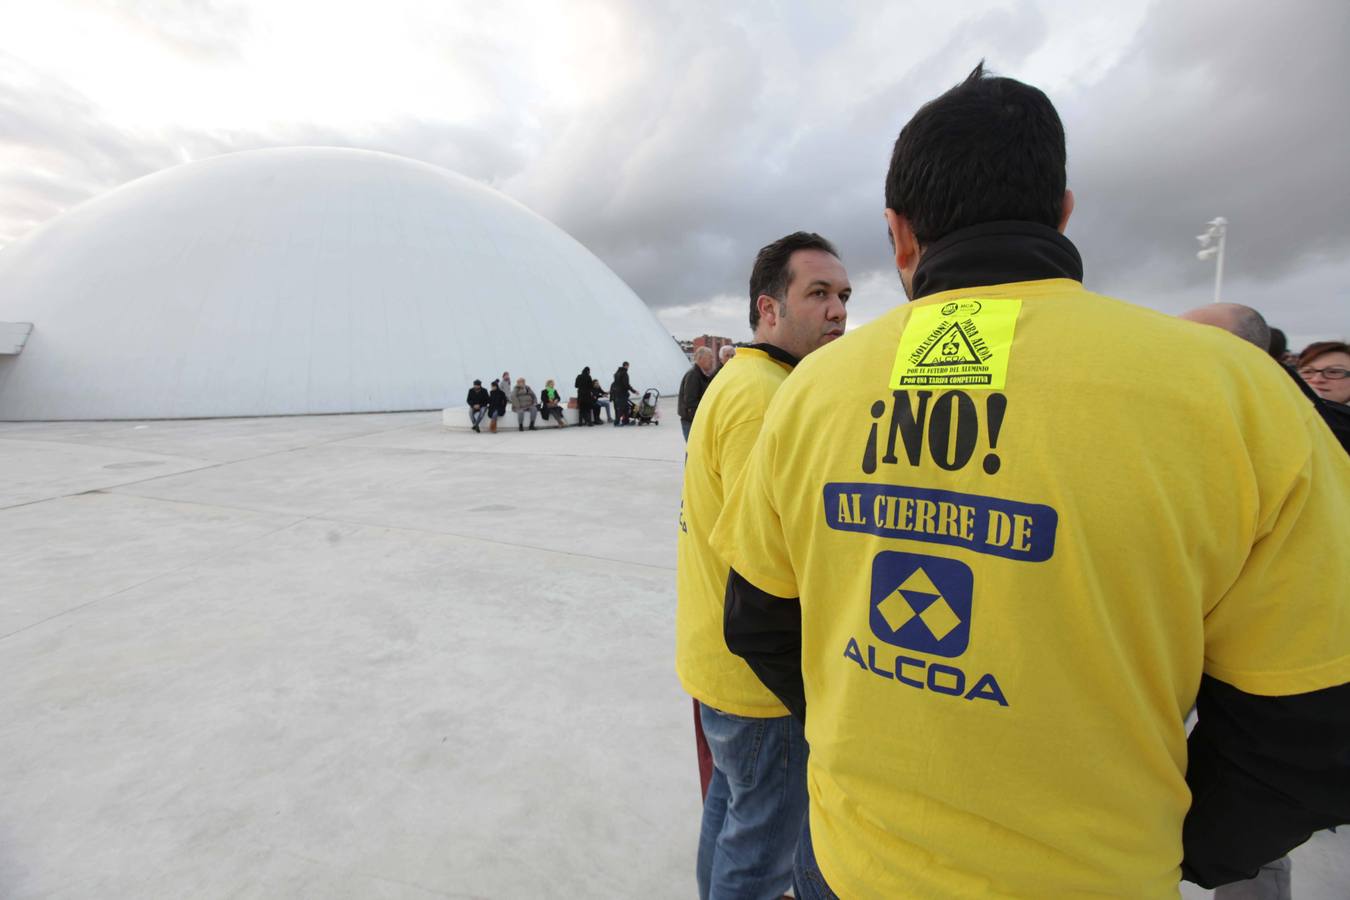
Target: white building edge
{"points": [[307, 280]]}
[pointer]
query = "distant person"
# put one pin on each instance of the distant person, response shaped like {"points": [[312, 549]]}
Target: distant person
{"points": [[523, 400], [1242, 321], [1325, 367], [756, 796], [725, 354], [497, 401], [692, 386], [1247, 323], [585, 403], [551, 403], [620, 393], [477, 401], [992, 565], [601, 399], [1279, 348], [507, 383]]}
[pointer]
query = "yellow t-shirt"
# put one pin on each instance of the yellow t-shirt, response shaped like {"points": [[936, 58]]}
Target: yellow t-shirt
{"points": [[724, 431], [1022, 521]]}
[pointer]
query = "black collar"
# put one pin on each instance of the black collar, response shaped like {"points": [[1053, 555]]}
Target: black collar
{"points": [[777, 353], [995, 253]]}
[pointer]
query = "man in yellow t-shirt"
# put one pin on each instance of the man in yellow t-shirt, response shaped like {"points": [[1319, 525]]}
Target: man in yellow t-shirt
{"points": [[995, 544], [756, 798]]}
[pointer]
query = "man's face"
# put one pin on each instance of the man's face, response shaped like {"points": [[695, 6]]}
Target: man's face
{"points": [[813, 312], [705, 362]]}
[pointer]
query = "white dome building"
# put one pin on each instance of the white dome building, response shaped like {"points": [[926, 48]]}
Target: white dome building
{"points": [[307, 280]]}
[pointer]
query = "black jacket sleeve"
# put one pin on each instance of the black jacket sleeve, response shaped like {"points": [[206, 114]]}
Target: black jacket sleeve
{"points": [[1264, 774], [766, 631], [682, 404]]}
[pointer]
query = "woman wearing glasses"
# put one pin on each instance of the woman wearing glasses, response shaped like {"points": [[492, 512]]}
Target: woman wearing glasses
{"points": [[1325, 366]]}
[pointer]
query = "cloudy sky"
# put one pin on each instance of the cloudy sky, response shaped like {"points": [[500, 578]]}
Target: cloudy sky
{"points": [[675, 138]]}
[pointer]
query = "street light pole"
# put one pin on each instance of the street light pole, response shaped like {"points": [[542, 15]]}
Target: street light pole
{"points": [[1211, 246]]}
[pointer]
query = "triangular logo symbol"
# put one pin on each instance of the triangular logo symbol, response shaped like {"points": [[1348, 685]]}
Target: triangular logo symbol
{"points": [[919, 583], [952, 349]]}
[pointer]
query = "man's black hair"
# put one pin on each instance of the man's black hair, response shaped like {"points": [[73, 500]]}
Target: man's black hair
{"points": [[1279, 344], [990, 149], [772, 275]]}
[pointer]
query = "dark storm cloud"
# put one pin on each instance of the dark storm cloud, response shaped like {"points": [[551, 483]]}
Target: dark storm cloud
{"points": [[676, 181], [1215, 113]]}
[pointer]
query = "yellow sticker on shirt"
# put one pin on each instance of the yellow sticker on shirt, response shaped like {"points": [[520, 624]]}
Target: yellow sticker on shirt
{"points": [[965, 343]]}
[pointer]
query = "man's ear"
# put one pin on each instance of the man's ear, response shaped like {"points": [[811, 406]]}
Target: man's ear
{"points": [[903, 242], [768, 310], [1068, 211]]}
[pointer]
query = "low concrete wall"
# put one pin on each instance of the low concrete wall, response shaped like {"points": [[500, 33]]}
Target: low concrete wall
{"points": [[457, 417]]}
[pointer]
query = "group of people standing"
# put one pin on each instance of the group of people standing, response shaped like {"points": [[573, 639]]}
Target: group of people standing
{"points": [[948, 589], [591, 399]]}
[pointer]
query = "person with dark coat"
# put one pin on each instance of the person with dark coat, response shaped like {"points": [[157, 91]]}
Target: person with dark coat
{"points": [[599, 401], [585, 403], [695, 382], [478, 403], [1324, 367], [496, 405], [619, 392]]}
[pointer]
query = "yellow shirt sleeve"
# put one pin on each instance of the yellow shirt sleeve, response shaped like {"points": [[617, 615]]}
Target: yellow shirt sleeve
{"points": [[1284, 625], [749, 534], [734, 447]]}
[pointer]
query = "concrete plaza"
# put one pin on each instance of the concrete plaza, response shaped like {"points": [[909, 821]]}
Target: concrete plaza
{"points": [[351, 657]]}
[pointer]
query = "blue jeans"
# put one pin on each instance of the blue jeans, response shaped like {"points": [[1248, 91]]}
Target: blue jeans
{"points": [[807, 882], [476, 415], [755, 807]]}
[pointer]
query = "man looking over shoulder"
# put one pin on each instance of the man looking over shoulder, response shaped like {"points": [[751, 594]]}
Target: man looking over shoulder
{"points": [[755, 802], [992, 553], [692, 386]]}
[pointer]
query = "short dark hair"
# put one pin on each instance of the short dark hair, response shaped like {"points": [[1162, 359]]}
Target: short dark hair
{"points": [[990, 149], [772, 275], [1279, 344]]}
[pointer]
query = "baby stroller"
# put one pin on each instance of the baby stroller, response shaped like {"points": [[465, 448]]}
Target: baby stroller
{"points": [[646, 412]]}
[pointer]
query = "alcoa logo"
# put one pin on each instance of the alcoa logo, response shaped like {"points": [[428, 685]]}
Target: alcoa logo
{"points": [[923, 604], [917, 614]]}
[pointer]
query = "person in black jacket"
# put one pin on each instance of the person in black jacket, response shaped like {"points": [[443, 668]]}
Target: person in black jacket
{"points": [[695, 382], [496, 405], [1325, 367], [619, 392], [477, 400], [585, 403], [599, 401]]}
